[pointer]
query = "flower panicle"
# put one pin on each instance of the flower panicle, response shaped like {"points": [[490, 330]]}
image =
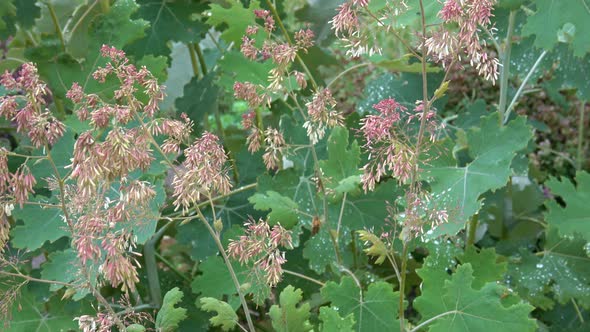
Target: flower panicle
{"points": [[261, 245], [204, 172]]}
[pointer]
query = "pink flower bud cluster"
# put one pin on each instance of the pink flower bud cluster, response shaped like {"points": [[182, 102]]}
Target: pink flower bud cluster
{"points": [[101, 221], [275, 142], [348, 28], [204, 172], [322, 115], [419, 213], [28, 108], [387, 151], [282, 54], [261, 245], [469, 15], [14, 187], [98, 235]]}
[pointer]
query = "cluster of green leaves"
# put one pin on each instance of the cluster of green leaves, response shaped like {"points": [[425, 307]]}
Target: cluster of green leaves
{"points": [[531, 266]]}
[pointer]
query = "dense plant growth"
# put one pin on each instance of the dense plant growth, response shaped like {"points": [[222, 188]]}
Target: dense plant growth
{"points": [[338, 165]]}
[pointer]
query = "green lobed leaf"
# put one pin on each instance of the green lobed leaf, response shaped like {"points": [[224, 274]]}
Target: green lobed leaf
{"points": [[486, 267], [574, 218], [457, 188], [332, 322], [236, 17], [563, 268], [61, 154], [226, 317], [170, 316], [215, 280], [342, 167], [283, 209], [135, 328], [236, 68], [30, 313], [60, 70], [287, 316], [467, 309], [63, 266], [442, 259], [529, 278], [35, 218], [551, 16], [199, 98], [374, 310], [7, 13], [169, 21]]}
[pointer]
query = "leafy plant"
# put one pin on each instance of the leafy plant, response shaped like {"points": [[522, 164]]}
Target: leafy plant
{"points": [[358, 165]]}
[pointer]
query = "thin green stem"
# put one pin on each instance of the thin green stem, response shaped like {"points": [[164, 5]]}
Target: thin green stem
{"points": [[28, 278], [391, 260], [149, 253], [340, 216], [232, 273], [472, 230], [81, 19], [193, 56], [201, 58], [56, 25], [402, 287], [578, 312], [520, 90], [303, 276], [105, 6], [346, 71], [135, 309], [428, 321], [217, 198], [172, 267], [581, 156], [505, 74]]}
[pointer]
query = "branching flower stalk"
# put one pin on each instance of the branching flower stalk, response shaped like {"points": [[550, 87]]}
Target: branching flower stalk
{"points": [[321, 109]]}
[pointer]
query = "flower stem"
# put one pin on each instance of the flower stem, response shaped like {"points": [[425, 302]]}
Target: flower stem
{"points": [[303, 276], [581, 156], [519, 92], [44, 281], [234, 277], [472, 230], [191, 52], [201, 58], [149, 252], [56, 24], [506, 66], [274, 12]]}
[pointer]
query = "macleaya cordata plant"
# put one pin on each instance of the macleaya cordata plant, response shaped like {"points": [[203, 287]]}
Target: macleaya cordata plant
{"points": [[322, 189]]}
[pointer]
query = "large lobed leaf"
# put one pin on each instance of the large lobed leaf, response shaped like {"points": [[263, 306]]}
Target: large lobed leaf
{"points": [[575, 216], [553, 16], [169, 315], [374, 310], [457, 188], [463, 308], [287, 316], [226, 317]]}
